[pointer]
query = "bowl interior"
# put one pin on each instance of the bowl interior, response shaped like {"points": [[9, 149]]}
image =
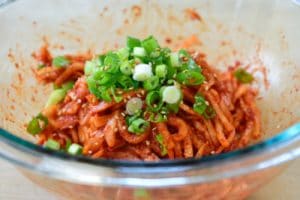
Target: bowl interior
{"points": [[263, 35]]}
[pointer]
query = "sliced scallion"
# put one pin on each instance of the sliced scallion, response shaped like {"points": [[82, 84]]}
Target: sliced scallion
{"points": [[134, 105], [60, 61], [138, 126], [243, 76], [139, 52], [142, 72], [55, 97], [75, 149], [52, 144], [151, 83], [161, 70], [171, 94]]}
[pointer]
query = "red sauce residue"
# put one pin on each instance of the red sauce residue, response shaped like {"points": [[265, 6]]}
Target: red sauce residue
{"points": [[193, 15], [168, 40], [12, 107], [20, 78], [189, 42], [136, 10], [224, 43], [126, 21]]}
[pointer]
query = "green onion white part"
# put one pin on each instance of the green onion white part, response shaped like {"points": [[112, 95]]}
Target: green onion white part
{"points": [[142, 72], [134, 105], [171, 94], [75, 149]]}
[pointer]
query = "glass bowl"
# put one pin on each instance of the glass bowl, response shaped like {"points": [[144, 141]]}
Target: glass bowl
{"points": [[264, 35]]}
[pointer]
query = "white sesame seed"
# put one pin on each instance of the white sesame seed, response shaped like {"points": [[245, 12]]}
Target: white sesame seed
{"points": [[70, 127], [116, 129], [278, 126], [207, 103], [79, 101], [90, 152], [123, 114], [124, 127], [147, 142], [138, 95]]}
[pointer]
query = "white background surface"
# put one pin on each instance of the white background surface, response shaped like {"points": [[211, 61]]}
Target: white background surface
{"points": [[13, 186]]}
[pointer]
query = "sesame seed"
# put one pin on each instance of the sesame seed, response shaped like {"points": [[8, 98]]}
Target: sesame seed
{"points": [[124, 127], [147, 142], [143, 92], [207, 103], [70, 127], [90, 152], [278, 126], [212, 152], [123, 114], [139, 95], [116, 129], [79, 101]]}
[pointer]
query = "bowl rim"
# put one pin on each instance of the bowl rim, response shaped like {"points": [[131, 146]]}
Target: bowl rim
{"points": [[293, 132]]}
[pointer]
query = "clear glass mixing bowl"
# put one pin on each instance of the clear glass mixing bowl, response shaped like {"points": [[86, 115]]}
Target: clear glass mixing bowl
{"points": [[261, 34]]}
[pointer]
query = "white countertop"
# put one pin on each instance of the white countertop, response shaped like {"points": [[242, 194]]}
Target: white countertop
{"points": [[13, 186]]}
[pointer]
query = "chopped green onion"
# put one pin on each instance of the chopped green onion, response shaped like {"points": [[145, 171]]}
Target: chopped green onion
{"points": [[112, 61], [142, 72], [126, 82], [37, 124], [89, 67], [68, 86], [133, 42], [155, 117], [243, 76], [193, 66], [190, 77], [105, 94], [173, 107], [171, 94], [75, 149], [159, 138], [134, 105], [123, 53], [139, 52], [174, 59], [151, 83], [150, 44], [200, 104], [60, 61], [55, 97], [117, 99], [161, 70], [55, 86], [126, 68], [68, 144], [154, 101], [52, 144], [138, 126], [102, 78], [100, 60], [141, 194], [40, 66]]}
